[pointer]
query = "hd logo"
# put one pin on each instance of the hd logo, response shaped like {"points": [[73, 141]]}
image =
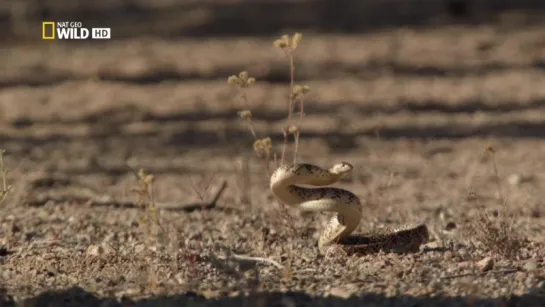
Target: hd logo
{"points": [[72, 30]]}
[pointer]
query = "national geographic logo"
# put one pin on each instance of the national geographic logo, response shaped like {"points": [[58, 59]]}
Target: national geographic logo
{"points": [[72, 30], [48, 30]]}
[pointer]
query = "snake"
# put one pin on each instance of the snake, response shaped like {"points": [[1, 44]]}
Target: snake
{"points": [[287, 184]]}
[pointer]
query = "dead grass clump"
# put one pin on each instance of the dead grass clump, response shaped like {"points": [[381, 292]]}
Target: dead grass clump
{"points": [[159, 232], [497, 234], [495, 231]]}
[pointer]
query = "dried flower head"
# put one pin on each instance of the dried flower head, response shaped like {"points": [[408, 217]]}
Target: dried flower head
{"points": [[287, 42], [296, 38], [145, 177], [283, 42], [293, 129], [148, 179], [242, 80], [263, 147], [299, 91], [245, 114], [234, 80], [243, 76], [267, 142]]}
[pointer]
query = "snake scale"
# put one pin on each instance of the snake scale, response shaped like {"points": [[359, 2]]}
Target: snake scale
{"points": [[285, 185]]}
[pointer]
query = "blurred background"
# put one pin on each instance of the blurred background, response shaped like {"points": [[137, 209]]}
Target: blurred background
{"points": [[383, 71], [179, 18]]}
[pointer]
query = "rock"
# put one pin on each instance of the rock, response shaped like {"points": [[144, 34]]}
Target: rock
{"points": [[128, 292], [3, 251], [432, 246], [530, 281], [100, 250], [486, 264], [180, 278], [139, 248], [341, 292], [530, 265], [514, 179], [450, 226], [210, 294]]}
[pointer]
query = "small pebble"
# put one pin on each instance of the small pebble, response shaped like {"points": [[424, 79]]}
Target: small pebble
{"points": [[100, 250], [530, 281], [344, 292], [530, 265], [514, 179], [541, 287], [486, 264], [450, 226]]}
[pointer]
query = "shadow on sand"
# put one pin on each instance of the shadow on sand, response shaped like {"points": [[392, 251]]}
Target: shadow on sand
{"points": [[78, 297]]}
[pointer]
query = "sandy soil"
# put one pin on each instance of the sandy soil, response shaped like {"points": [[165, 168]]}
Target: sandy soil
{"points": [[414, 111]]}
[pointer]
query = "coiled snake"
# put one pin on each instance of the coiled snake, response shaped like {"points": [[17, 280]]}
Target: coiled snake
{"points": [[347, 208]]}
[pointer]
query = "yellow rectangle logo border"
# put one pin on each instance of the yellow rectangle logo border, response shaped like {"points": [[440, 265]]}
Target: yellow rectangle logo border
{"points": [[48, 23]]}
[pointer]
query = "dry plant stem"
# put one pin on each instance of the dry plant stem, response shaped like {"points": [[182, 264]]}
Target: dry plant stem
{"points": [[289, 54], [198, 191], [497, 178], [244, 98], [292, 73], [153, 208], [257, 259], [268, 164], [252, 129], [296, 135], [301, 110], [171, 206], [284, 146], [296, 140], [287, 217], [4, 173]]}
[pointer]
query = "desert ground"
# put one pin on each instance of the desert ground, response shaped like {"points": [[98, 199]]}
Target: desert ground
{"points": [[444, 126]]}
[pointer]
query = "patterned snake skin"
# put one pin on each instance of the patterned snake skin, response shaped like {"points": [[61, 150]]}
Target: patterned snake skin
{"points": [[347, 207]]}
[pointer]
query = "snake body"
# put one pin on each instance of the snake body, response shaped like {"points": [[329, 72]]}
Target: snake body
{"points": [[285, 185]]}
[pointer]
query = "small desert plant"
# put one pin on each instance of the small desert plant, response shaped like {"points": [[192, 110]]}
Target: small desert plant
{"points": [[202, 187], [149, 220], [495, 231], [5, 188], [263, 147]]}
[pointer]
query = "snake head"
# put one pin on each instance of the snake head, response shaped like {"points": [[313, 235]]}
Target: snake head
{"points": [[341, 168]]}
